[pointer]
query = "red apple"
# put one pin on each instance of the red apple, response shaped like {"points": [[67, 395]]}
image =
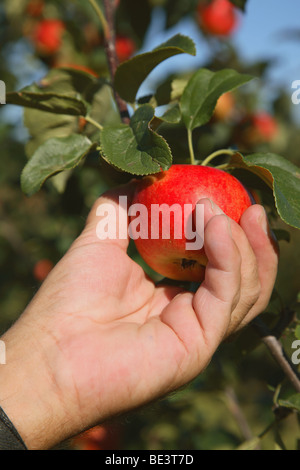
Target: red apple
{"points": [[35, 8], [256, 129], [218, 18], [265, 125], [184, 184], [104, 437], [125, 47], [48, 36], [42, 268]]}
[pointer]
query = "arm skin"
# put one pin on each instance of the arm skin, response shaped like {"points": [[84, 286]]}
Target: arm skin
{"points": [[99, 338]]}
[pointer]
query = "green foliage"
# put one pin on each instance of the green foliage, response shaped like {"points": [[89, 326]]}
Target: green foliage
{"points": [[282, 176], [136, 149], [52, 157], [202, 92], [292, 403], [49, 102], [131, 74]]}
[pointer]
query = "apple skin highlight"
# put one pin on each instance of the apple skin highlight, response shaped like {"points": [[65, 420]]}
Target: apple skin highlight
{"points": [[185, 184]]}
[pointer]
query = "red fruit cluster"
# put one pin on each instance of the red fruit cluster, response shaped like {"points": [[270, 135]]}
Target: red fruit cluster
{"points": [[218, 18], [125, 48], [48, 36]]}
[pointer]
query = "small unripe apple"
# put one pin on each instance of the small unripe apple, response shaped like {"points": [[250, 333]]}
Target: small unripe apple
{"points": [[184, 185], [218, 18], [225, 107]]}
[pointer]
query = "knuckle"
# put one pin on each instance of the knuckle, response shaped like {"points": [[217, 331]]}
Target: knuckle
{"points": [[257, 291], [253, 296]]}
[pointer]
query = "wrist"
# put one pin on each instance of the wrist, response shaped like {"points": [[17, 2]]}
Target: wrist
{"points": [[28, 392]]}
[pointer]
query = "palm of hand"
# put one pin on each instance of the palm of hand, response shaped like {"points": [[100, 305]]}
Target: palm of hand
{"points": [[110, 322], [122, 341]]}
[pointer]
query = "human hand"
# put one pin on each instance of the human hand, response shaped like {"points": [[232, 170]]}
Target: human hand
{"points": [[100, 338]]}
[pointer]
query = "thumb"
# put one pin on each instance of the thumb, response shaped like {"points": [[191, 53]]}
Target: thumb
{"points": [[108, 218]]}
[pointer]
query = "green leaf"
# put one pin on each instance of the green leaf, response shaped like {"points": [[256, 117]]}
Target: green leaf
{"points": [[202, 92], [68, 80], [61, 91], [30, 97], [172, 115], [170, 90], [282, 176], [53, 156], [136, 15], [136, 149], [292, 402], [282, 235], [297, 332], [241, 4], [131, 74], [176, 9], [43, 126]]}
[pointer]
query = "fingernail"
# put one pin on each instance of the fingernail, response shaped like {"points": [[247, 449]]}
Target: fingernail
{"points": [[215, 209], [229, 226]]}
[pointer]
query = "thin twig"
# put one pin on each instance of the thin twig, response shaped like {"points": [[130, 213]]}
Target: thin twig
{"points": [[237, 413], [277, 352], [113, 62], [101, 17], [286, 318]]}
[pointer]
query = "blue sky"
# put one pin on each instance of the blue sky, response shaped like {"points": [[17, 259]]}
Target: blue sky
{"points": [[258, 38]]}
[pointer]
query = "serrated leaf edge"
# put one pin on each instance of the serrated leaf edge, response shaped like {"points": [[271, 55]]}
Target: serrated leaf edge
{"points": [[54, 173], [104, 156]]}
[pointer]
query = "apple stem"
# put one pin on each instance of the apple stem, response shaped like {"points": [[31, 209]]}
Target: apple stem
{"points": [[217, 154], [191, 148], [92, 121], [225, 166]]}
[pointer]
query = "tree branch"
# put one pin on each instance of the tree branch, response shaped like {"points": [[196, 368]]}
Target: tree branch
{"points": [[277, 352], [113, 61]]}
